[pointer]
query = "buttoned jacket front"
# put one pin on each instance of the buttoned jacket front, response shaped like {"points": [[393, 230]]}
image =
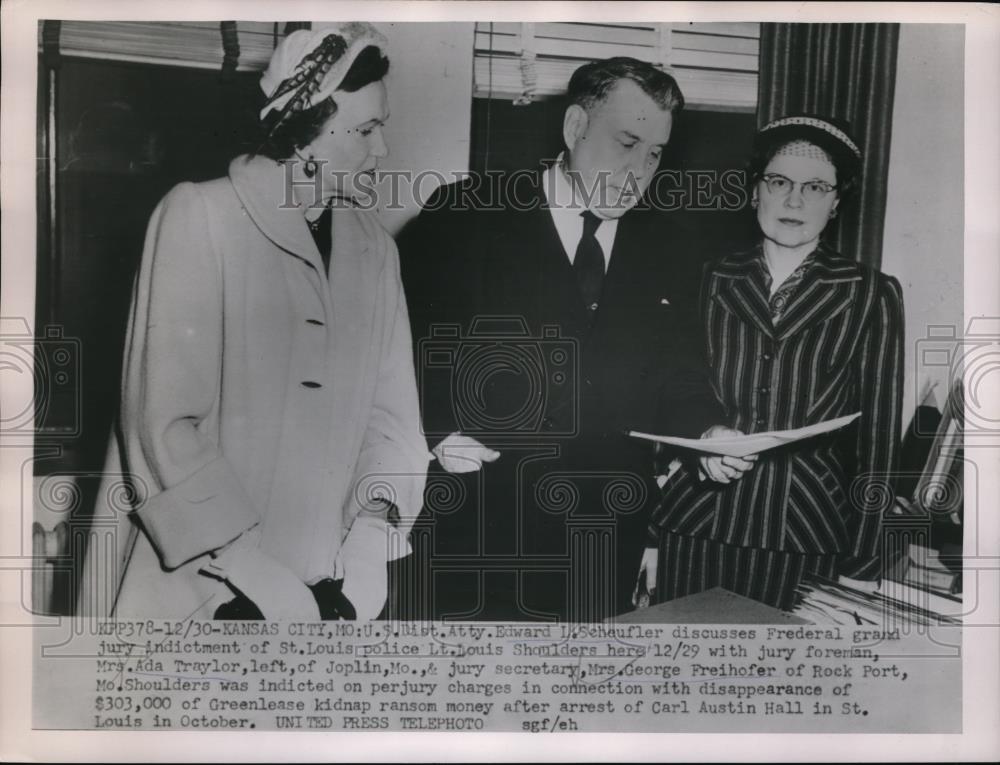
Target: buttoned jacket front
{"points": [[837, 349], [257, 392], [496, 277]]}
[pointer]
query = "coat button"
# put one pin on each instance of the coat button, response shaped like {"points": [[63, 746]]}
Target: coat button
{"points": [[764, 390], [593, 306], [311, 384], [766, 356]]}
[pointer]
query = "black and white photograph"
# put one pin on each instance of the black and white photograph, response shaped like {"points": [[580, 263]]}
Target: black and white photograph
{"points": [[500, 368]]}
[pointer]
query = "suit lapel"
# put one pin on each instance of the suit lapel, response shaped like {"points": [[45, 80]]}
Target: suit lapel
{"points": [[622, 252], [827, 288], [742, 289], [632, 264], [534, 268]]}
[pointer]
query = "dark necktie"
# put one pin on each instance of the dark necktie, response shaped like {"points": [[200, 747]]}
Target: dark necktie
{"points": [[321, 234], [589, 263]]}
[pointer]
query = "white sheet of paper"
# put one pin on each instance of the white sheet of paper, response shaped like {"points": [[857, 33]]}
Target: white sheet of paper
{"points": [[741, 446]]}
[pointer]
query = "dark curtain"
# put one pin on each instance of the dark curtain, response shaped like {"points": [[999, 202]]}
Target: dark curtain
{"points": [[846, 71]]}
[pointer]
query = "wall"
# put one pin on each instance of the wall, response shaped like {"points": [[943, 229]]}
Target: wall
{"points": [[430, 102], [924, 224]]}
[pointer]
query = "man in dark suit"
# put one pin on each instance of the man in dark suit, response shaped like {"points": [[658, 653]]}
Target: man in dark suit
{"points": [[549, 318]]}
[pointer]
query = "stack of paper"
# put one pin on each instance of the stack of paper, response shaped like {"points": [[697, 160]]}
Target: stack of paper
{"points": [[741, 446], [827, 602]]}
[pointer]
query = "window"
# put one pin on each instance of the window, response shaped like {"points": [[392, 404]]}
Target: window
{"points": [[714, 63], [179, 43], [132, 109]]}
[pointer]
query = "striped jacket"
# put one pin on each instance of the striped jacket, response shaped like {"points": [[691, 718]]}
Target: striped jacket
{"points": [[837, 349]]}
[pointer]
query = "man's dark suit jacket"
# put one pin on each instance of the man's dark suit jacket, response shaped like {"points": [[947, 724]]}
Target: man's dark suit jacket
{"points": [[505, 354]]}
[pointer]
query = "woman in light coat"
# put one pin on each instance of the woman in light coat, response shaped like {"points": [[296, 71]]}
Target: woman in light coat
{"points": [[269, 459]]}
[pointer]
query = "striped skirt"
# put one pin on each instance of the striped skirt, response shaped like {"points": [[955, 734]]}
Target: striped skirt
{"points": [[691, 564]]}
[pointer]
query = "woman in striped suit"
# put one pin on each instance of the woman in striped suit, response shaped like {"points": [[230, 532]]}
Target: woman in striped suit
{"points": [[796, 335]]}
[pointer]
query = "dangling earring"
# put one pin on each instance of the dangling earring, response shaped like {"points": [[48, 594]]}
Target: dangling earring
{"points": [[310, 168], [753, 202], [833, 213]]}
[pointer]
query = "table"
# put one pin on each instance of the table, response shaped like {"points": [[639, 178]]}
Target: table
{"points": [[714, 606]]}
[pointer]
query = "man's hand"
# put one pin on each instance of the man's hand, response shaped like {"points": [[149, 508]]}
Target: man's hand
{"points": [[721, 468], [461, 454]]}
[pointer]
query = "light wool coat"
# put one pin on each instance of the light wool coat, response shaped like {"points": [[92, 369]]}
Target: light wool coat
{"points": [[257, 392]]}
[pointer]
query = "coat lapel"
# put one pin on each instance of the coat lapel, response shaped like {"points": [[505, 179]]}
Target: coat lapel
{"points": [[827, 288], [742, 289], [264, 189]]}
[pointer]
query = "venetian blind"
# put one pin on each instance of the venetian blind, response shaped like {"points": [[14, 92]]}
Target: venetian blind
{"points": [[178, 43], [715, 64]]}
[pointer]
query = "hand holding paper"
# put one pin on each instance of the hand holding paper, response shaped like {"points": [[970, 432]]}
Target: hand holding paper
{"points": [[724, 468], [743, 445]]}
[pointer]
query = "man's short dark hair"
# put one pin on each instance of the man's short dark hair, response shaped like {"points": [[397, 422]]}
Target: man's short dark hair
{"points": [[591, 83]]}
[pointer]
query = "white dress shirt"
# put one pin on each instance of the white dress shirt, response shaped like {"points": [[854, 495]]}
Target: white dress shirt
{"points": [[461, 454], [566, 205]]}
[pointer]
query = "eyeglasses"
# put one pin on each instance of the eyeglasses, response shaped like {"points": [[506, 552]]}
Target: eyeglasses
{"points": [[812, 191]]}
